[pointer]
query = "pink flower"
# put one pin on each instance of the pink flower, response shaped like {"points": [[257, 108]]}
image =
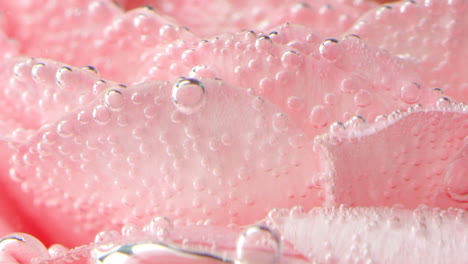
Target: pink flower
{"points": [[188, 133]]}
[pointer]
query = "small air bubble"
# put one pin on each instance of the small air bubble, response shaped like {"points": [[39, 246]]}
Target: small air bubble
{"points": [[23, 247], [337, 127], [363, 98], [263, 44], [188, 95], [65, 129], [101, 115], [319, 116], [280, 122], [105, 239], [114, 100], [36, 71], [291, 59], [330, 49], [444, 102], [410, 93], [161, 227], [61, 74], [254, 242]]}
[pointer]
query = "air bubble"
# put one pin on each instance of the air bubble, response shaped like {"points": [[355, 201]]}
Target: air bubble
{"points": [[201, 71], [168, 32], [57, 250], [291, 59], [114, 100], [105, 239], [410, 93], [263, 44], [355, 121], [348, 85], [144, 24], [337, 127], [37, 70], [65, 129], [280, 122], [319, 116], [330, 49], [130, 230], [362, 98], [161, 227], [258, 244], [99, 86], [101, 115], [61, 74], [22, 247], [444, 102], [188, 95]]}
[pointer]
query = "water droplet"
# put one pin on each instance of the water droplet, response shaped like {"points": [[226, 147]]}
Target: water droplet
{"points": [[38, 72], [188, 95], [168, 32], [382, 119], [337, 127], [130, 230], [144, 24], [265, 86], [21, 69], [161, 227], [99, 86], [62, 74], [23, 247], [330, 49], [297, 211], [355, 121], [105, 239], [65, 128], [384, 12], [291, 59], [137, 98], [362, 98], [258, 244], [57, 250], [201, 71], [444, 102], [101, 115], [280, 122], [91, 69], [348, 85], [319, 116], [410, 93], [114, 100], [263, 44], [150, 112]]}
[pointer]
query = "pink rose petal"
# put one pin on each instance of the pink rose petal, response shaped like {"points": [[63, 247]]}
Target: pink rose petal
{"points": [[402, 159]]}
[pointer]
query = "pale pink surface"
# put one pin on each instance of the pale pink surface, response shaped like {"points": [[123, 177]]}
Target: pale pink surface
{"points": [[377, 235], [157, 153], [92, 155], [211, 17], [403, 159], [422, 28]]}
